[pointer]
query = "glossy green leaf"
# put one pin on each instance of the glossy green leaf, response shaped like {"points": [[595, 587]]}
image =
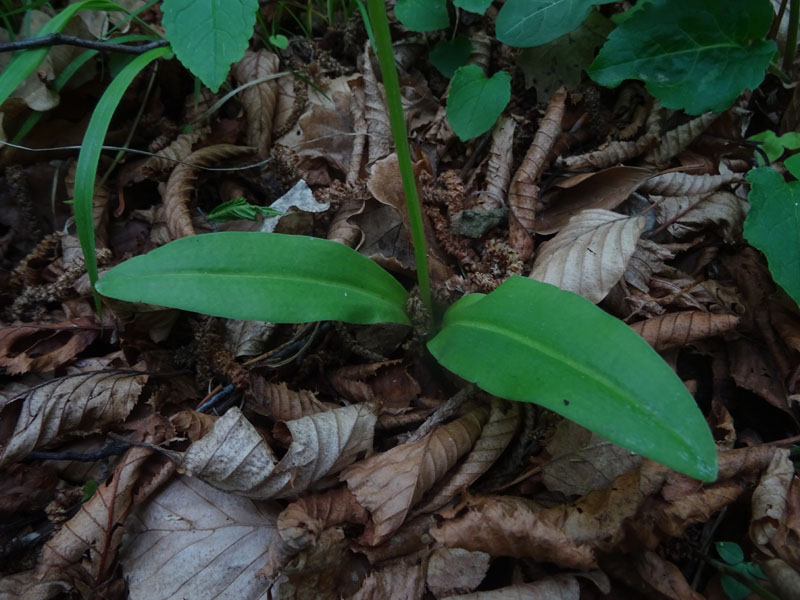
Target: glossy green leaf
{"points": [[261, 277], [475, 6], [532, 342], [528, 23], [773, 226], [208, 36], [730, 552], [695, 55], [26, 62], [476, 101], [422, 15], [449, 55]]}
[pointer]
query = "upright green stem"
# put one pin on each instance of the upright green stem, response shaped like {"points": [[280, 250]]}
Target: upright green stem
{"points": [[383, 41], [791, 36]]}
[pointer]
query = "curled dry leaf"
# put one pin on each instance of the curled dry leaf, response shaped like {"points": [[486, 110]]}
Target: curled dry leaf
{"points": [[164, 159], [387, 383], [605, 189], [680, 328], [234, 457], [69, 406], [379, 131], [182, 182], [277, 401], [193, 541], [675, 141], [391, 483], [43, 347], [590, 254], [663, 577], [455, 571], [558, 587], [684, 184], [503, 422], [690, 214], [399, 579], [259, 101], [192, 424], [770, 498], [646, 260], [498, 167], [611, 154]]}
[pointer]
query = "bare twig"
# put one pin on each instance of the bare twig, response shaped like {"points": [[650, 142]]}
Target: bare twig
{"points": [[60, 39]]}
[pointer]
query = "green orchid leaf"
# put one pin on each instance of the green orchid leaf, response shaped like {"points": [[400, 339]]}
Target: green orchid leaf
{"points": [[476, 101], [449, 55], [532, 342], [695, 55], [528, 23], [208, 36], [475, 6], [773, 226], [261, 277], [422, 15]]}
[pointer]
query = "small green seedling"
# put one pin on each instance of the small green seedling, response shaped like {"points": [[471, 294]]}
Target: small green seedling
{"points": [[239, 208], [739, 578], [526, 341]]}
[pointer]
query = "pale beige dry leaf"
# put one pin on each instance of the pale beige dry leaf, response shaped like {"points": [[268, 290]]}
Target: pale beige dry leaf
{"points": [[357, 114], [558, 587], [455, 571], [498, 166], [613, 153], [676, 140], [783, 577], [677, 329], [182, 181], [691, 214], [503, 422], [379, 131], [277, 401], [683, 184], [605, 189], [234, 457], [193, 541], [75, 405], [770, 498], [259, 101], [590, 254], [647, 260], [43, 347], [399, 579], [93, 535], [582, 461], [387, 383], [246, 338], [391, 483]]}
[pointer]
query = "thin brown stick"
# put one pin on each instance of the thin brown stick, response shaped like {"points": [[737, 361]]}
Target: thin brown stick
{"points": [[61, 39]]}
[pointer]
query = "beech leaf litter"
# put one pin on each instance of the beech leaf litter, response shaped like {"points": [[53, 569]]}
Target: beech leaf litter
{"points": [[156, 454]]}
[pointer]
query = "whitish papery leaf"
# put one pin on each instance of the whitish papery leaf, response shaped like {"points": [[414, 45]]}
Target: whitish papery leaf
{"points": [[75, 405], [556, 349], [590, 254], [260, 277], [193, 541], [234, 457]]}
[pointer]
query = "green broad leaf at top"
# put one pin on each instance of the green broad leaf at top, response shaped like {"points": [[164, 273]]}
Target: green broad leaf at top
{"points": [[532, 342], [528, 23], [422, 15], [208, 36], [261, 277], [773, 226], [476, 101], [449, 55], [695, 55], [475, 6]]}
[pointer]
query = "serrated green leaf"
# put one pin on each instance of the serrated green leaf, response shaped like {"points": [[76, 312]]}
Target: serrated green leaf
{"points": [[695, 55], [528, 23], [532, 342], [730, 552], [422, 15], [261, 277], [208, 36], [475, 6], [476, 101], [773, 226], [448, 55]]}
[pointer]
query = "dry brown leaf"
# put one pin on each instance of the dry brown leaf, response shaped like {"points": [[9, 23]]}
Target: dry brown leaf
{"points": [[164, 159], [786, 320], [277, 401], [691, 214], [684, 184], [182, 181], [259, 101], [752, 369], [391, 483], [27, 586], [246, 338], [582, 461], [455, 571], [192, 424], [498, 166], [75, 405], [558, 587], [605, 189], [680, 328], [386, 383], [357, 113], [234, 457], [786, 541], [770, 498], [379, 131], [400, 579], [664, 577], [96, 530], [647, 260], [43, 347], [193, 541], [611, 154], [25, 488], [590, 254], [503, 422], [675, 141]]}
